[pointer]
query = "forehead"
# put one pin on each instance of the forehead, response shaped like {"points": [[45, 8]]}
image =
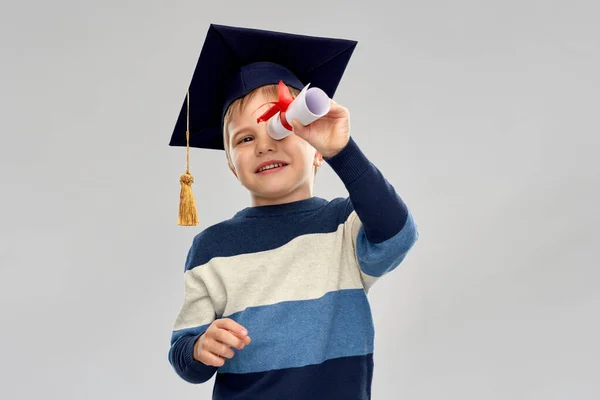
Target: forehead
{"points": [[245, 112]]}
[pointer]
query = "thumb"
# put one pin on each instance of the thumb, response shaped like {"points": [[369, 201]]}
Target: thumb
{"points": [[299, 129]]}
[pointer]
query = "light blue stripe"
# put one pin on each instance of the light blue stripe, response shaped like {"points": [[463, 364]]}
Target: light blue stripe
{"points": [[377, 259], [188, 331], [298, 333]]}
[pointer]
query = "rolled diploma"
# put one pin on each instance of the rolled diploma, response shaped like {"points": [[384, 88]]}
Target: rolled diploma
{"points": [[310, 105]]}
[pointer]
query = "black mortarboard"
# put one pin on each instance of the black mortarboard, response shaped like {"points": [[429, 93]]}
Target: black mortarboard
{"points": [[233, 62]]}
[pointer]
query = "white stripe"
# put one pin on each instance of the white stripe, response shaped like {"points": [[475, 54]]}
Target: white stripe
{"points": [[306, 268], [353, 225]]}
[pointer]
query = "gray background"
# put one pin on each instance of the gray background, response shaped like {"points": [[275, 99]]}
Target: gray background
{"points": [[484, 116]]}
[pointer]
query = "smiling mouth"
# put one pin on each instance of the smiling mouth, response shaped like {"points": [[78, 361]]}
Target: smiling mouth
{"points": [[271, 168]]}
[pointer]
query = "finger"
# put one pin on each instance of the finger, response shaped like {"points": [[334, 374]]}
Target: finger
{"points": [[219, 349], [299, 129], [210, 359], [336, 109], [235, 328], [231, 325], [296, 125], [202, 354], [227, 337]]}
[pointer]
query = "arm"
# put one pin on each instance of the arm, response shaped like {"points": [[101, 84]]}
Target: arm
{"points": [[195, 317], [181, 357], [381, 226]]}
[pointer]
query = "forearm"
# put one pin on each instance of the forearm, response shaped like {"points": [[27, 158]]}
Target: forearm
{"points": [[181, 357], [381, 210]]}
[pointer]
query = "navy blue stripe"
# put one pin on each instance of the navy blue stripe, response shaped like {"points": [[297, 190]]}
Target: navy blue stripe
{"points": [[297, 333], [380, 209], [347, 378], [243, 235]]}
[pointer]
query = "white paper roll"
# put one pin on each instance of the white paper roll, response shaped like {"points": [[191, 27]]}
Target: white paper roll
{"points": [[310, 105]]}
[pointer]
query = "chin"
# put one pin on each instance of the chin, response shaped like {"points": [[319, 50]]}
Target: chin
{"points": [[273, 193], [274, 186]]}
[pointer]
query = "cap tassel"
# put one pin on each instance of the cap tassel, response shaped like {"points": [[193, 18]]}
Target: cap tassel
{"points": [[188, 215]]}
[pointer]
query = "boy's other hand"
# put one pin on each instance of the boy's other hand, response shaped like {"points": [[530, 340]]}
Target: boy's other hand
{"points": [[214, 346]]}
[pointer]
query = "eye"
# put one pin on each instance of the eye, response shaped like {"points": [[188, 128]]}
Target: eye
{"points": [[243, 139]]}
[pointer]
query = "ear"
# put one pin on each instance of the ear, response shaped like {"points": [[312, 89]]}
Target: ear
{"points": [[318, 160]]}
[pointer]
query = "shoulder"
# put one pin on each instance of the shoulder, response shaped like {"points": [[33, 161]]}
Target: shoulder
{"points": [[211, 241], [341, 208]]}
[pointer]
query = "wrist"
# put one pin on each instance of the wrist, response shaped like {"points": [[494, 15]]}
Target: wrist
{"points": [[349, 163], [336, 149]]}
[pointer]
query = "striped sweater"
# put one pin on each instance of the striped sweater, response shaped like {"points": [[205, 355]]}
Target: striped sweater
{"points": [[296, 276]]}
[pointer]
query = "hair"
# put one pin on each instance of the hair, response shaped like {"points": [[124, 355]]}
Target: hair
{"points": [[270, 91]]}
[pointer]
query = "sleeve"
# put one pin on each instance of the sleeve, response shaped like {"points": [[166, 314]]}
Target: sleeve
{"points": [[378, 222], [194, 318]]}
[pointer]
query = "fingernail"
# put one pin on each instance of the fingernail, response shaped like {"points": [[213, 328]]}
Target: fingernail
{"points": [[244, 332], [242, 346]]}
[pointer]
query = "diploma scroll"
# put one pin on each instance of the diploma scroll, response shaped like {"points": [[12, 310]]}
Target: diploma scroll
{"points": [[310, 105]]}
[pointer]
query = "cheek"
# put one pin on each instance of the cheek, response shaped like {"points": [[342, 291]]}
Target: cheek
{"points": [[303, 152], [297, 147], [239, 162]]}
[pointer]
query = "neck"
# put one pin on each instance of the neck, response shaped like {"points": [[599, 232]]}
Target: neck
{"points": [[301, 193], [310, 204]]}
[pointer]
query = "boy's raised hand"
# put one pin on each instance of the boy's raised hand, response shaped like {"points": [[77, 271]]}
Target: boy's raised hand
{"points": [[328, 134], [214, 346]]}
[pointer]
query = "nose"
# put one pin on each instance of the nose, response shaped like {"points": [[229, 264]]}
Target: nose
{"points": [[265, 143]]}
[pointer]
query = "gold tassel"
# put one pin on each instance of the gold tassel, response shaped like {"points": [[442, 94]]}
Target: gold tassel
{"points": [[188, 215]]}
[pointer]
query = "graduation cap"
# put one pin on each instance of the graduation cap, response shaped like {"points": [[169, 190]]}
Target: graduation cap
{"points": [[233, 62]]}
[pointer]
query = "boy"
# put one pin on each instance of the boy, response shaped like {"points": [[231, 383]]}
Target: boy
{"points": [[276, 296]]}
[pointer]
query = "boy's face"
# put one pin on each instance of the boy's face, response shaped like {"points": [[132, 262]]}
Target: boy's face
{"points": [[250, 146]]}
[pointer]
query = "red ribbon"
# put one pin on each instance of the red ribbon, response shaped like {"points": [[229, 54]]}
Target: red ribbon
{"points": [[281, 105]]}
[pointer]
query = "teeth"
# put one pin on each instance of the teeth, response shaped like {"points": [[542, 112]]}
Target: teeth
{"points": [[270, 167]]}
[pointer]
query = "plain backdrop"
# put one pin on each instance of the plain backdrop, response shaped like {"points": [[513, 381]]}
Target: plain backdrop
{"points": [[483, 115]]}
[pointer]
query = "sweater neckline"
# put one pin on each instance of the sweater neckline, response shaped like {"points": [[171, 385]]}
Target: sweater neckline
{"points": [[272, 210]]}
